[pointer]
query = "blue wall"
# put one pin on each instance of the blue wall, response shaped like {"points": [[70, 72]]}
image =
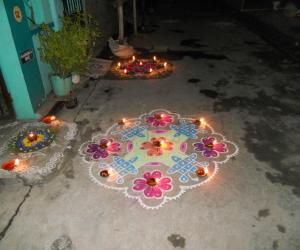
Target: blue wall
{"points": [[12, 71], [47, 11]]}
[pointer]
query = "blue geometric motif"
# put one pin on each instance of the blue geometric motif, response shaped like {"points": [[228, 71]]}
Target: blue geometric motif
{"points": [[185, 128], [185, 166], [122, 167], [131, 132]]}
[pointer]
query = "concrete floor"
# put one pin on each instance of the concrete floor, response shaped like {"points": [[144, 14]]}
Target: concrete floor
{"points": [[246, 89]]}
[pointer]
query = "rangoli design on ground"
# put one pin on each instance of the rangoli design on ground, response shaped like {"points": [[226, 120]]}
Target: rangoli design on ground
{"points": [[156, 157], [141, 68], [37, 146]]}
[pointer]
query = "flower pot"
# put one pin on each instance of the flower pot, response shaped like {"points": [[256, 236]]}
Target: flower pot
{"points": [[61, 86]]}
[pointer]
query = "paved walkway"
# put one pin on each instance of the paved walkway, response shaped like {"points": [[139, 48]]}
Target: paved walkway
{"points": [[247, 90]]}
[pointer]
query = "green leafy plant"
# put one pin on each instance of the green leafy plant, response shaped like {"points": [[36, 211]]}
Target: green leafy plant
{"points": [[69, 49]]}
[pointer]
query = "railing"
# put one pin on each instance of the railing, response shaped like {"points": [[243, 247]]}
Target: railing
{"points": [[72, 6]]}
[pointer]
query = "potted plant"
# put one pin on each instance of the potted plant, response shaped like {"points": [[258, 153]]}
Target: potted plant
{"points": [[68, 50]]}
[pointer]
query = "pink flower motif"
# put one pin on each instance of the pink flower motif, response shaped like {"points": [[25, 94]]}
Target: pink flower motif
{"points": [[153, 184], [157, 146], [159, 119]]}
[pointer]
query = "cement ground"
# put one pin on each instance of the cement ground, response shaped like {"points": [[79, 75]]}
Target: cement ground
{"points": [[245, 88]]}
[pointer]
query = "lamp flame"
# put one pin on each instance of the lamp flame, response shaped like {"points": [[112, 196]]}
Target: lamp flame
{"points": [[125, 71], [17, 162], [165, 64], [150, 70], [154, 58], [119, 64], [133, 58], [206, 170]]}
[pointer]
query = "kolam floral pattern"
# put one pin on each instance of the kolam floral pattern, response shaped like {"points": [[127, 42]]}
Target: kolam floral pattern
{"points": [[155, 158], [40, 157], [141, 69]]}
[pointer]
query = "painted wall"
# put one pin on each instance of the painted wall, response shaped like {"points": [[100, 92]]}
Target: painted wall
{"points": [[12, 71]]}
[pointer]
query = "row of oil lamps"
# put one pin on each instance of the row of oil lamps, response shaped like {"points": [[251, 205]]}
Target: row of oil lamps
{"points": [[198, 122], [32, 137], [125, 71], [201, 172]]}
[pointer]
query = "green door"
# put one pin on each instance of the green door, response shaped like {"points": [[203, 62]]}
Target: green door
{"points": [[22, 36]]}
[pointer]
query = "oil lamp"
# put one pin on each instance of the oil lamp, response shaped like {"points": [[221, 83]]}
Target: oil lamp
{"points": [[202, 171], [197, 122], [122, 122], [48, 119], [10, 165], [157, 143], [152, 182], [32, 136], [104, 173], [202, 123], [158, 116], [105, 145]]}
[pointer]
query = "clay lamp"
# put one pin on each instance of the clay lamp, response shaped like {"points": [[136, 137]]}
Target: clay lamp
{"points": [[48, 119], [158, 116], [122, 122], [202, 171], [105, 145], [151, 182], [32, 136], [104, 173], [211, 145], [197, 122], [157, 143], [10, 165]]}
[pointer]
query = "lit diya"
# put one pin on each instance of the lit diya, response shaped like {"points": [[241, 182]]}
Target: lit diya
{"points": [[199, 122], [105, 145], [158, 116], [122, 122], [211, 145], [32, 136], [104, 173], [10, 165], [48, 119], [202, 171], [157, 143], [151, 182]]}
